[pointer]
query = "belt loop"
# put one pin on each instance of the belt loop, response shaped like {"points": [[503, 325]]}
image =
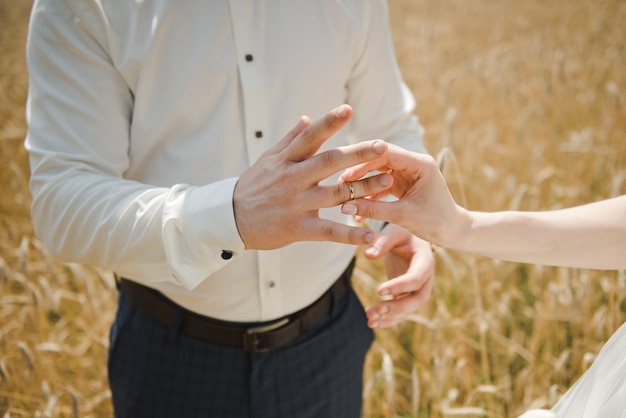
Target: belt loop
{"points": [[174, 326]]}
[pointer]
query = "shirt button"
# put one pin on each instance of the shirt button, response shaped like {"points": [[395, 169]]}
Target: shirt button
{"points": [[272, 284], [227, 255], [258, 134], [249, 57]]}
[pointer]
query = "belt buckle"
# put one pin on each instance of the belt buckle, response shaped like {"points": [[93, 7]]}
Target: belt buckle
{"points": [[251, 336]]}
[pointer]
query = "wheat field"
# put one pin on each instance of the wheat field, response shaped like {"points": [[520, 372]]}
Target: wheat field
{"points": [[524, 104]]}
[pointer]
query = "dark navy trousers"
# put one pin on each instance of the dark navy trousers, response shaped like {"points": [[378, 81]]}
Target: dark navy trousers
{"points": [[155, 371]]}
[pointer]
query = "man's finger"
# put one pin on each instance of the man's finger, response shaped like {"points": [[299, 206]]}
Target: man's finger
{"points": [[333, 195], [326, 230], [302, 124], [367, 187], [329, 162], [385, 242], [314, 136]]}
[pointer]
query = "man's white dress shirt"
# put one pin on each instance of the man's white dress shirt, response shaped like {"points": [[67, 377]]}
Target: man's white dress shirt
{"points": [[142, 114]]}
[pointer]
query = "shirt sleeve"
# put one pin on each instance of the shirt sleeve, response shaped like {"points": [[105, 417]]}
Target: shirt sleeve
{"points": [[79, 113], [383, 104]]}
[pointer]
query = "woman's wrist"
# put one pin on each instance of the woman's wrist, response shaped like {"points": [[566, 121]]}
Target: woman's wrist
{"points": [[456, 232]]}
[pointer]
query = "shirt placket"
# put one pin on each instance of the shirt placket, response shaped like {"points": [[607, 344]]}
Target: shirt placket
{"points": [[254, 69]]}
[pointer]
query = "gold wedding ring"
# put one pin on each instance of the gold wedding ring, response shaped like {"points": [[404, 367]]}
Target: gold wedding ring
{"points": [[351, 188]]}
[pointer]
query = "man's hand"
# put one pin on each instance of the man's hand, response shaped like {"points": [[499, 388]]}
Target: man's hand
{"points": [[276, 201], [411, 269]]}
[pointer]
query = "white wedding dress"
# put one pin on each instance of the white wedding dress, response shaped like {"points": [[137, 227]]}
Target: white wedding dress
{"points": [[601, 391]]}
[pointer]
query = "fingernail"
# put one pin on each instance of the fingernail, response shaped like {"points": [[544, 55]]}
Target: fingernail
{"points": [[302, 122], [372, 251], [384, 292], [375, 317], [348, 209], [342, 111], [385, 180], [370, 237], [379, 147], [383, 310]]}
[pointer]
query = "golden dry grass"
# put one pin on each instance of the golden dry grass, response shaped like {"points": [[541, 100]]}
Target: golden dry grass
{"points": [[525, 103]]}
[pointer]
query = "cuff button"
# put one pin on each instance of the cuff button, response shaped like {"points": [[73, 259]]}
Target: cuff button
{"points": [[227, 255]]}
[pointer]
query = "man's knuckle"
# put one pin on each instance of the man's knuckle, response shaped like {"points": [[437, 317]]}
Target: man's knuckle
{"points": [[354, 235], [329, 159], [328, 232], [340, 192], [307, 135], [329, 121], [362, 152], [367, 211], [367, 186]]}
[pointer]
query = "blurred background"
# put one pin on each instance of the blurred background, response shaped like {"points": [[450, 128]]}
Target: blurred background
{"points": [[524, 104]]}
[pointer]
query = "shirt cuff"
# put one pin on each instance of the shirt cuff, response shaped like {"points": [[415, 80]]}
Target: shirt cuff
{"points": [[199, 231]]}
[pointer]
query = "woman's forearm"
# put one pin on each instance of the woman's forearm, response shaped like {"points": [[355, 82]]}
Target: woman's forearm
{"points": [[588, 236]]}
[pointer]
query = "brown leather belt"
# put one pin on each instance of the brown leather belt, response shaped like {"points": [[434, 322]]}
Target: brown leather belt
{"points": [[265, 336]]}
